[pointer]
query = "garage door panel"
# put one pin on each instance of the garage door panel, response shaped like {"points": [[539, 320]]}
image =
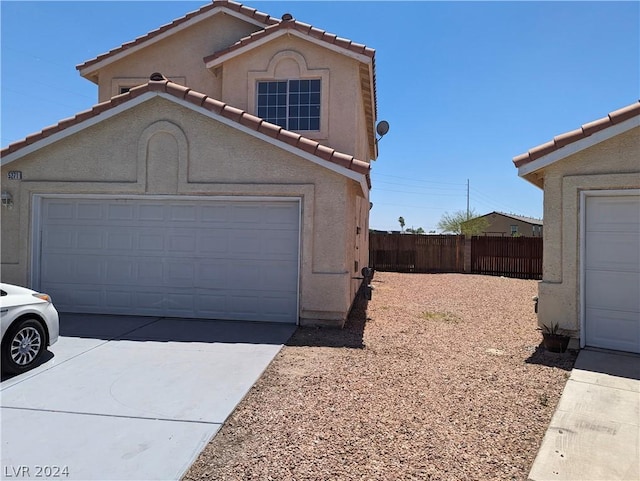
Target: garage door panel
{"points": [[274, 274], [213, 273], [610, 326], [55, 269], [90, 211], [119, 240], [180, 274], [151, 241], [243, 244], [90, 240], [211, 304], [612, 272], [183, 242], [613, 251], [278, 306], [60, 210], [613, 290], [152, 212], [120, 211], [245, 214], [58, 238], [183, 213], [213, 242], [201, 259]]}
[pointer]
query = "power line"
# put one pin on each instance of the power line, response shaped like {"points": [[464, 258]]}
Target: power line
{"points": [[374, 174]]}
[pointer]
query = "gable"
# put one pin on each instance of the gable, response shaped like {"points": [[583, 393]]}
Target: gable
{"points": [[217, 8], [293, 36]]}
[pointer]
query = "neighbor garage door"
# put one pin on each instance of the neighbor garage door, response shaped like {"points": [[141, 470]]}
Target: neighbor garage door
{"points": [[612, 272], [196, 258]]}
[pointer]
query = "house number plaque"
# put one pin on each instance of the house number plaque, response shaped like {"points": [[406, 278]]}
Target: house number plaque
{"points": [[14, 175]]}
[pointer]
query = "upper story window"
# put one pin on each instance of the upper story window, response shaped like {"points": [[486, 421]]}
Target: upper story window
{"points": [[514, 229], [291, 104]]}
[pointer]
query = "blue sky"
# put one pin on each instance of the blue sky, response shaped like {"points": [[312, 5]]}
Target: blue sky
{"points": [[465, 86]]}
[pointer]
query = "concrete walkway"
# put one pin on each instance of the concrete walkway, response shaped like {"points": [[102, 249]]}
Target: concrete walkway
{"points": [[595, 431]]}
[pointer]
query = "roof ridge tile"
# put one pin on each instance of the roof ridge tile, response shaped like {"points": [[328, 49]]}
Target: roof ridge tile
{"points": [[249, 12]]}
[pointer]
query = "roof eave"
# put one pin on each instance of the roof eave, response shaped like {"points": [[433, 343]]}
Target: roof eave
{"points": [[526, 169]]}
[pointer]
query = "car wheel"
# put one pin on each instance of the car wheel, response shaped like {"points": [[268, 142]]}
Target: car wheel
{"points": [[23, 346]]}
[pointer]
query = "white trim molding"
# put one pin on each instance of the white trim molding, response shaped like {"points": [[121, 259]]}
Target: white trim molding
{"points": [[578, 146]]}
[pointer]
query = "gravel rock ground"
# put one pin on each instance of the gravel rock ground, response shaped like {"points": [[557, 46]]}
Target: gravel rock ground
{"points": [[442, 378]]}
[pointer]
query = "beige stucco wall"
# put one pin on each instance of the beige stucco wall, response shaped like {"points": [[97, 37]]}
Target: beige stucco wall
{"points": [[612, 164], [195, 155], [179, 57]]}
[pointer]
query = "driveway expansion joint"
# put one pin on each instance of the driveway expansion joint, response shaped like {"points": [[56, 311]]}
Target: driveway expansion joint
{"points": [[122, 416]]}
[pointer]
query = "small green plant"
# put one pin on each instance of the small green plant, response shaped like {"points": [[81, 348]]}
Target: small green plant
{"points": [[552, 330], [445, 317]]}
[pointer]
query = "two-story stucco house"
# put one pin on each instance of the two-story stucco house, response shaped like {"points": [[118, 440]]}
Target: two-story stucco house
{"points": [[224, 174]]}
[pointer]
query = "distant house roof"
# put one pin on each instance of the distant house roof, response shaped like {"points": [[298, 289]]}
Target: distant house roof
{"points": [[249, 13], [563, 140], [159, 84], [528, 220]]}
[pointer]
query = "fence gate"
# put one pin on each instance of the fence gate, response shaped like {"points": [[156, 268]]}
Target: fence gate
{"points": [[507, 256]]}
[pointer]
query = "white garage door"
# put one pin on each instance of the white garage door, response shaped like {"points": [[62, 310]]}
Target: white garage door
{"points": [[209, 259], [612, 272]]}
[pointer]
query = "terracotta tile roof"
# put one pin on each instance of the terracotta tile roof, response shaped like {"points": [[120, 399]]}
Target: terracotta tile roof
{"points": [[234, 6], [160, 84], [585, 131], [288, 23]]}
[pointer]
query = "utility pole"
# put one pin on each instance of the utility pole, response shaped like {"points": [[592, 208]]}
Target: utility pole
{"points": [[467, 199]]}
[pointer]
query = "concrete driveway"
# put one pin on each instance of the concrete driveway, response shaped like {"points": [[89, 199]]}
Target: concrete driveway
{"points": [[595, 432], [130, 397]]}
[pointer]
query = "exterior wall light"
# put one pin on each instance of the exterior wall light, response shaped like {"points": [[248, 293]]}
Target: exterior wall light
{"points": [[6, 199]]}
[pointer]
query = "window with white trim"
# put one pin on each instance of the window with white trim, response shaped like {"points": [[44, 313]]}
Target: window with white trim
{"points": [[291, 104], [514, 229]]}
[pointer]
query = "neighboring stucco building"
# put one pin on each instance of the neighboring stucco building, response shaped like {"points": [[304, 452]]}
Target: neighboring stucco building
{"points": [[511, 225], [224, 174], [591, 268]]}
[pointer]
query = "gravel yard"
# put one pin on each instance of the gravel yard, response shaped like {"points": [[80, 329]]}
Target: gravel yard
{"points": [[442, 379]]}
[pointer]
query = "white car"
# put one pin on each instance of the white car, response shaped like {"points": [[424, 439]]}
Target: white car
{"points": [[29, 324]]}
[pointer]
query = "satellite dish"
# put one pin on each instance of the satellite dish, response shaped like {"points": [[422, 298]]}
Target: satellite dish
{"points": [[382, 128]]}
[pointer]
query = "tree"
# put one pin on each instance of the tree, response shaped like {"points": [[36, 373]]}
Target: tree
{"points": [[411, 230], [401, 220], [459, 223]]}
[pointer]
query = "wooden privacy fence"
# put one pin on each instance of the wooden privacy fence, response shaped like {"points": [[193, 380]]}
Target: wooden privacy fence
{"points": [[500, 256], [416, 253], [507, 256]]}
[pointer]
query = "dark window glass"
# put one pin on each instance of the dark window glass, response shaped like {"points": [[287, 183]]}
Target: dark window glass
{"points": [[292, 104]]}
